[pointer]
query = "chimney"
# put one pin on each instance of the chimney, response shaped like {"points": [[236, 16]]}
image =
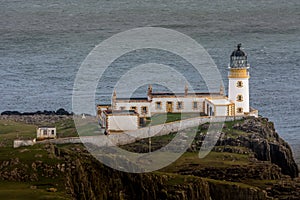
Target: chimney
{"points": [[114, 101], [221, 90], [149, 94], [186, 90]]}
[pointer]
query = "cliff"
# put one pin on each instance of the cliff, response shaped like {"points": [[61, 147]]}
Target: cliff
{"points": [[250, 161], [265, 142], [91, 180]]}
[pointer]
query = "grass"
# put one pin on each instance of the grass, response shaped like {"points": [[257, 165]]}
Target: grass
{"points": [[264, 184], [26, 156], [177, 179], [219, 182], [191, 160], [170, 117], [142, 146], [85, 127], [231, 132], [66, 128], [10, 130], [23, 191]]}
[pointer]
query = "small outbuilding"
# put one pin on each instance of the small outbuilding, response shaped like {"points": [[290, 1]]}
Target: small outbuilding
{"points": [[45, 132], [119, 120], [219, 107]]}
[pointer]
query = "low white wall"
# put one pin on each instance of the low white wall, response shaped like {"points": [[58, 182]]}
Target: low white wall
{"points": [[132, 136], [20, 143], [123, 122], [69, 140]]}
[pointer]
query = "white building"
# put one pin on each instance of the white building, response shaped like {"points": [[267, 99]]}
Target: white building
{"points": [[129, 113], [45, 133], [119, 120]]}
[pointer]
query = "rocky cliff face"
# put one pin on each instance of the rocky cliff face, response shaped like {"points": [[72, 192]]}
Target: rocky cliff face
{"points": [[91, 180], [265, 142], [264, 175]]}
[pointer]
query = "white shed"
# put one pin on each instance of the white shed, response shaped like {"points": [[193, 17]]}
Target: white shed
{"points": [[219, 107], [120, 120], [45, 133]]}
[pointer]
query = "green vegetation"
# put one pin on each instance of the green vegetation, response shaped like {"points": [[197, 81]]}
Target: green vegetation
{"points": [[87, 127], [66, 128], [190, 160], [21, 161], [234, 168], [170, 117], [230, 131], [26, 191], [219, 182], [10, 130]]}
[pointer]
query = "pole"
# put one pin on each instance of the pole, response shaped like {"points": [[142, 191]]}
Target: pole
{"points": [[149, 140]]}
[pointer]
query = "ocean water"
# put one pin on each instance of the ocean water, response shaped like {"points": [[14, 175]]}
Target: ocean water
{"points": [[43, 43]]}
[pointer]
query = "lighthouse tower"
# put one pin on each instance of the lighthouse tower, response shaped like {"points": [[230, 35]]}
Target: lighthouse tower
{"points": [[238, 88]]}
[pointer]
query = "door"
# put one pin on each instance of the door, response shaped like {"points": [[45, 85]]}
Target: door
{"points": [[169, 106]]}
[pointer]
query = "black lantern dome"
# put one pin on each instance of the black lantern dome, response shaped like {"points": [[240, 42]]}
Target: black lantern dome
{"points": [[238, 58]]}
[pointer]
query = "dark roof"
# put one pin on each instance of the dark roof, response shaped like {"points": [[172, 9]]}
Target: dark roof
{"points": [[133, 99], [131, 112], [136, 98], [238, 52], [183, 94]]}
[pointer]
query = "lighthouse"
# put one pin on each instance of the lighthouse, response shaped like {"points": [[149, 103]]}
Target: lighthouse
{"points": [[238, 87]]}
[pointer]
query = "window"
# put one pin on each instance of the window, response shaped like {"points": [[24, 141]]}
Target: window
{"points": [[239, 84], [52, 132], [195, 105], [179, 105], [239, 110], [239, 97], [122, 108], [45, 132], [133, 108], [158, 105], [144, 110]]}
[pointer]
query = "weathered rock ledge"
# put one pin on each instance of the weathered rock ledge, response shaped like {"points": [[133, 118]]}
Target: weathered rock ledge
{"points": [[265, 142]]}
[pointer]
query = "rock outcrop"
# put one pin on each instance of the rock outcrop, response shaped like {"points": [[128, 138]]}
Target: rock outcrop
{"points": [[91, 180], [265, 142], [264, 175]]}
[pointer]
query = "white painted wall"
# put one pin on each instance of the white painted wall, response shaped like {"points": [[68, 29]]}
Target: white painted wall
{"points": [[103, 120], [139, 106], [122, 122], [187, 104], [234, 91], [46, 132], [209, 108], [221, 110]]}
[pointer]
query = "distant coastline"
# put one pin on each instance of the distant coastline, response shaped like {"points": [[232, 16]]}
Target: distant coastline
{"points": [[60, 111]]}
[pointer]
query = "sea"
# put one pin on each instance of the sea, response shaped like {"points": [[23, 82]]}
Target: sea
{"points": [[43, 43]]}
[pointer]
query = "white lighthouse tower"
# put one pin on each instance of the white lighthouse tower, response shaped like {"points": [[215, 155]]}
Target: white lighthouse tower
{"points": [[238, 91]]}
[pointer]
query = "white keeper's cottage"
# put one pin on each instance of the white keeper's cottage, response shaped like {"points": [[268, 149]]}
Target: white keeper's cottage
{"points": [[128, 113]]}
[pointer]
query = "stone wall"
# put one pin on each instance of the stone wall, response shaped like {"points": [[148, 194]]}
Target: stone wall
{"points": [[36, 119], [132, 136]]}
